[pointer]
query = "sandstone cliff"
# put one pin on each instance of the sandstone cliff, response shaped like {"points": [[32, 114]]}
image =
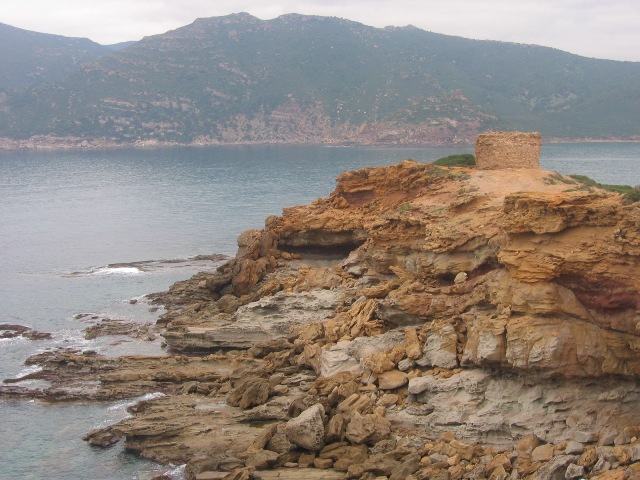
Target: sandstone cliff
{"points": [[517, 269], [420, 322]]}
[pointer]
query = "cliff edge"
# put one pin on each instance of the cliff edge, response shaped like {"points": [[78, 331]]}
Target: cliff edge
{"points": [[419, 322]]}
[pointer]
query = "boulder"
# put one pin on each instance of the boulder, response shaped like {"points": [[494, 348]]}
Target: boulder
{"points": [[392, 379], [369, 428], [307, 429], [262, 459], [440, 349], [555, 468], [346, 356], [250, 393], [542, 453]]}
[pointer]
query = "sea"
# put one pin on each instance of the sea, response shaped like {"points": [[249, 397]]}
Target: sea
{"points": [[88, 233]]}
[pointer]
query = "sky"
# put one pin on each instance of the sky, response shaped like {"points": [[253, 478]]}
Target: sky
{"points": [[591, 28]]}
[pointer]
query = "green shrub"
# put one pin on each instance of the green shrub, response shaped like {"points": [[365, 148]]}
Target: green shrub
{"points": [[459, 160], [405, 207], [590, 182], [632, 195]]}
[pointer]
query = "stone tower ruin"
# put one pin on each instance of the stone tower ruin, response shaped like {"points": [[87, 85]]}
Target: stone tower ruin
{"points": [[496, 150]]}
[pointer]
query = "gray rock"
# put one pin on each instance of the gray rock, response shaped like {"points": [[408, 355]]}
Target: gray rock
{"points": [[420, 384], [634, 452], [608, 437], [307, 429], [585, 437], [336, 361], [556, 468], [267, 319], [607, 453], [496, 403], [438, 458], [262, 459], [370, 428], [574, 448], [601, 466], [409, 466], [346, 356], [574, 471], [405, 364], [440, 348]]}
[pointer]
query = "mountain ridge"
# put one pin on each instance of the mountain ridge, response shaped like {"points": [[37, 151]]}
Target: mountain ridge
{"points": [[313, 79], [31, 58]]}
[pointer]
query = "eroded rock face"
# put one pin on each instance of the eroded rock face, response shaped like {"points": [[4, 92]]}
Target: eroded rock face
{"points": [[388, 328], [478, 405]]}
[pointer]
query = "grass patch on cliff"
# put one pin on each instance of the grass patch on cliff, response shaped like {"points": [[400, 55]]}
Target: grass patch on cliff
{"points": [[446, 173], [590, 182], [555, 177], [405, 207], [630, 194], [459, 160]]}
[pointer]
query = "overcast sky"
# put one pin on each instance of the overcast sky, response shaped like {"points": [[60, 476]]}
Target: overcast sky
{"points": [[592, 28]]}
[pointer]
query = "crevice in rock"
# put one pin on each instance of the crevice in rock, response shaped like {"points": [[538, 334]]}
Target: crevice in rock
{"points": [[490, 264], [335, 251]]}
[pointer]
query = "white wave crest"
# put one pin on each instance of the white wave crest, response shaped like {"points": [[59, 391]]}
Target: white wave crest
{"points": [[124, 271], [177, 473], [133, 401], [29, 370]]}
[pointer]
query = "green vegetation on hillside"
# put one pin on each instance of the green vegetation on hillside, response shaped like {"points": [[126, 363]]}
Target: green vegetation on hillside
{"points": [[30, 58], [587, 182], [630, 194], [316, 79], [582, 182]]}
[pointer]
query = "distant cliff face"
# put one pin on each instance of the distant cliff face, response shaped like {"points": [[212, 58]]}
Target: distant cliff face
{"points": [[304, 79]]}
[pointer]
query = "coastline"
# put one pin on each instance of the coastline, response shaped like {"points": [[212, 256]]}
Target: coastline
{"points": [[51, 143], [374, 268]]}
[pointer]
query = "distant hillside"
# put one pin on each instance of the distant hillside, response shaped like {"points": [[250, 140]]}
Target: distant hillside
{"points": [[119, 46], [316, 79], [30, 58]]}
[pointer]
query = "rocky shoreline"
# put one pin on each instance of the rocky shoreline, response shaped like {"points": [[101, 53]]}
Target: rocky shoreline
{"points": [[51, 143], [421, 322]]}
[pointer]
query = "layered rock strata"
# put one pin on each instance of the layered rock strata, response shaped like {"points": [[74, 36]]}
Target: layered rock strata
{"points": [[420, 322]]}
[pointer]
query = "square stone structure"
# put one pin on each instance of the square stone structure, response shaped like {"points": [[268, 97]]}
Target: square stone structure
{"points": [[497, 150]]}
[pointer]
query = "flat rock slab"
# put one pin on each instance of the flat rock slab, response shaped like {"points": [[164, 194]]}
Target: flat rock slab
{"points": [[297, 474], [269, 318]]}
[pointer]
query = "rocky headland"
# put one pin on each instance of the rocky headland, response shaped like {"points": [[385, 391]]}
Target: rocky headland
{"points": [[420, 322]]}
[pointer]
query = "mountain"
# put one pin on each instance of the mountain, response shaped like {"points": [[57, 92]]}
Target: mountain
{"points": [[30, 58], [309, 79]]}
